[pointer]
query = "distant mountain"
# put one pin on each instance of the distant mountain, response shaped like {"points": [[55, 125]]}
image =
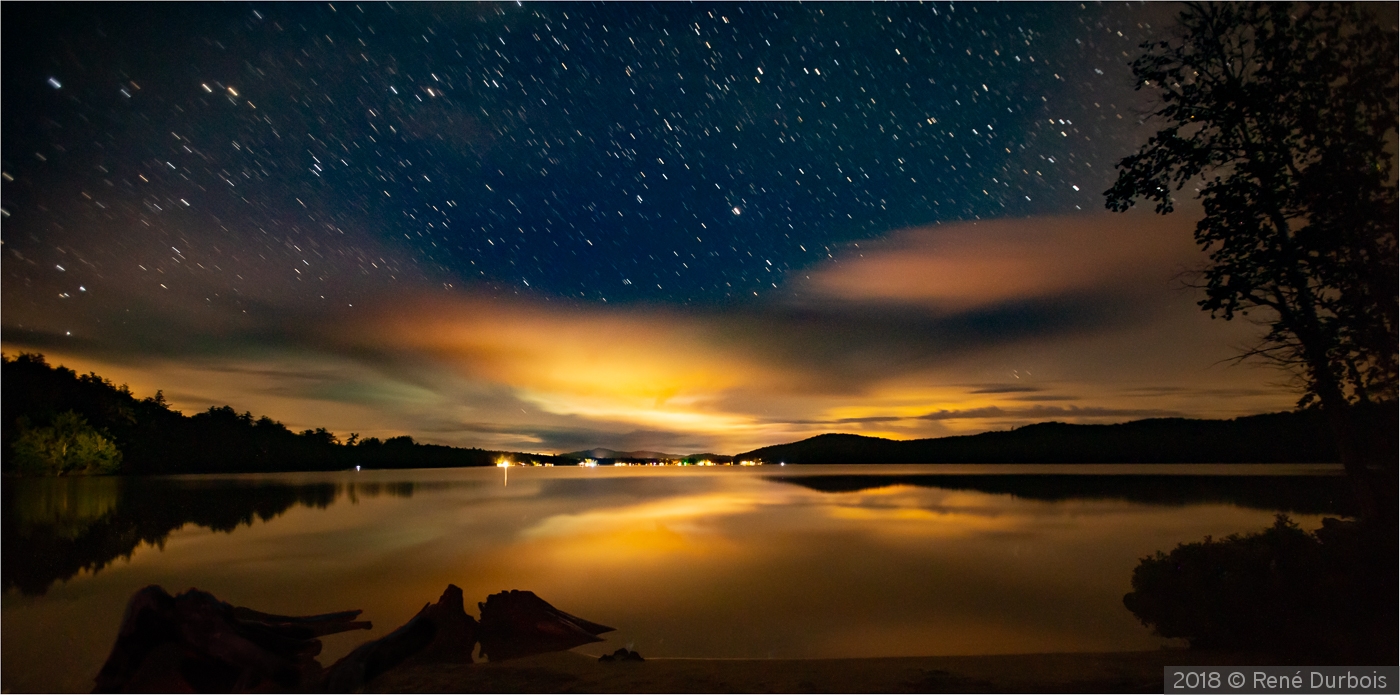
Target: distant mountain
{"points": [[1289, 437]]}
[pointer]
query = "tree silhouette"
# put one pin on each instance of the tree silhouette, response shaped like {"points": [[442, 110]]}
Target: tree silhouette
{"points": [[44, 425], [68, 446], [1279, 115]]}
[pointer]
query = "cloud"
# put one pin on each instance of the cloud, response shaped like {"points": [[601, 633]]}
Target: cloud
{"points": [[842, 345], [532, 437], [936, 330], [1005, 389], [848, 420], [1042, 412], [998, 262]]}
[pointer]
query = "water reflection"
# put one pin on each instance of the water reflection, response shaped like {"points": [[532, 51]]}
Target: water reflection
{"points": [[56, 528], [1296, 494], [684, 562]]}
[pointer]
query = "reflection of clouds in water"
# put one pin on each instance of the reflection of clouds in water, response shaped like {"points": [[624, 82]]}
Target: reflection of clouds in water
{"points": [[685, 562], [678, 513], [715, 522], [920, 511], [639, 486], [904, 510], [941, 522]]}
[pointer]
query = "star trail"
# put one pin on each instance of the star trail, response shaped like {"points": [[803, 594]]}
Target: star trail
{"points": [[215, 184]]}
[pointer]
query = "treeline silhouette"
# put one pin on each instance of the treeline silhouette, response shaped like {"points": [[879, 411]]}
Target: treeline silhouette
{"points": [[155, 439], [55, 528], [1289, 437]]}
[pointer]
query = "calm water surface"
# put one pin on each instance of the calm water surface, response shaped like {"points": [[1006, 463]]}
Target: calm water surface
{"points": [[829, 561]]}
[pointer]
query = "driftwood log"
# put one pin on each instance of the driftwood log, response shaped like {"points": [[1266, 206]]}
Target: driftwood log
{"points": [[194, 642], [440, 633], [519, 623]]}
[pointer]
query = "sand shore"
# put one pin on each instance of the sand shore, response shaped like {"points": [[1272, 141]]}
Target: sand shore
{"points": [[1018, 673]]}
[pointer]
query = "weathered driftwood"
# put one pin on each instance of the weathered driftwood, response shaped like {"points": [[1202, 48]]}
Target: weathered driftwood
{"points": [[519, 623], [440, 633], [194, 642]]}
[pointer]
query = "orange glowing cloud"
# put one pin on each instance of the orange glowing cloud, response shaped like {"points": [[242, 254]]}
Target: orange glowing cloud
{"points": [[966, 265], [583, 351], [643, 367], [889, 339], [931, 331]]}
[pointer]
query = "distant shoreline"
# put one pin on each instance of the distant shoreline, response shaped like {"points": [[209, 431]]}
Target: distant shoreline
{"points": [[146, 436], [1286, 437]]}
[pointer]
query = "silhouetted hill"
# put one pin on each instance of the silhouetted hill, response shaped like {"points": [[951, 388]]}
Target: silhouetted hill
{"points": [[1289, 437], [155, 439]]}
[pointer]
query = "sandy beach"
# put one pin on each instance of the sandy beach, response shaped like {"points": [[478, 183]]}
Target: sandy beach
{"points": [[1018, 673]]}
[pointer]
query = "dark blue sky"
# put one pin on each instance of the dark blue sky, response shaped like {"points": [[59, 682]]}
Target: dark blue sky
{"points": [[671, 152]]}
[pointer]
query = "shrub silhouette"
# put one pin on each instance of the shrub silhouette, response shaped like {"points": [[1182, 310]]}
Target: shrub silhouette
{"points": [[1328, 594], [68, 446]]}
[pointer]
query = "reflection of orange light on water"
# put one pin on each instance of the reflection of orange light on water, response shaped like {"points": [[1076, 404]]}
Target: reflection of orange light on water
{"points": [[680, 511], [903, 510], [944, 522], [745, 565], [653, 534], [623, 547]]}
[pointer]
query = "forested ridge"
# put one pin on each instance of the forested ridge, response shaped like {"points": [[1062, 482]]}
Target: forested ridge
{"points": [[1288, 437], [43, 404]]}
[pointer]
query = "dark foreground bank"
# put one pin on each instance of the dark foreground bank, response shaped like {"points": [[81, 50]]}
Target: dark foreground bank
{"points": [[569, 672]]}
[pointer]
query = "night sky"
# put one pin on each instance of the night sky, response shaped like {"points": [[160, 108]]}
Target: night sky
{"points": [[555, 226]]}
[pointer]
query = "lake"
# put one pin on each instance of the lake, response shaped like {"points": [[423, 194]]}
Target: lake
{"points": [[781, 562]]}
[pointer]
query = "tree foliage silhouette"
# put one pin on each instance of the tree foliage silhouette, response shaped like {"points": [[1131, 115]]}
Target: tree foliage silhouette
{"points": [[1278, 115], [1300, 595], [55, 421], [68, 447]]}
